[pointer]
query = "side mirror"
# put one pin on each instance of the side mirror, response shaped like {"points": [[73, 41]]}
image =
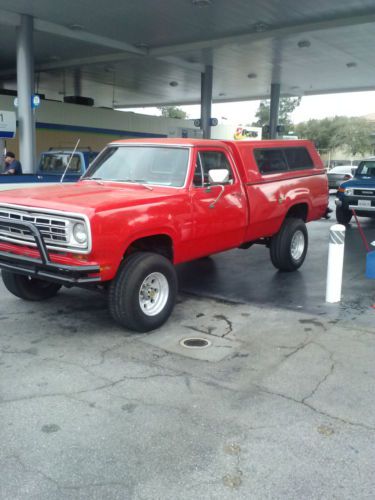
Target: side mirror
{"points": [[218, 176]]}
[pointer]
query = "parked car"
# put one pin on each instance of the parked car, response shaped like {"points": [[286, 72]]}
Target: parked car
{"points": [[357, 193], [146, 205], [338, 175], [51, 168]]}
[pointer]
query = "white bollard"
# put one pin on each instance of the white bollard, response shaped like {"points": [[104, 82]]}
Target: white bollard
{"points": [[335, 263]]}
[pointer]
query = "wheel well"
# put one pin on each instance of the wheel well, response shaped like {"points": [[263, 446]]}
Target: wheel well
{"points": [[299, 211], [159, 243]]}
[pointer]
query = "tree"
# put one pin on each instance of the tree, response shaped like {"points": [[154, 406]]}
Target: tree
{"points": [[319, 132], [352, 134], [286, 107], [172, 112]]}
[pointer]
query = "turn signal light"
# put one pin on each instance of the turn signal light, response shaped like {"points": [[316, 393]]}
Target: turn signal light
{"points": [[341, 190]]}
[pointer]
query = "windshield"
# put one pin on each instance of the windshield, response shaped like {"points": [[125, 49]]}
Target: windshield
{"points": [[165, 166], [55, 163], [366, 169]]}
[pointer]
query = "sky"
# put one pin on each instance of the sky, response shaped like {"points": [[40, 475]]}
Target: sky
{"points": [[243, 113]]}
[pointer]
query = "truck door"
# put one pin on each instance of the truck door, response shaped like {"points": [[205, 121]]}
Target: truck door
{"points": [[219, 211]]}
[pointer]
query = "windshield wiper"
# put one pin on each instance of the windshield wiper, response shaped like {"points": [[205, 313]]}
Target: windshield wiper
{"points": [[99, 180], [142, 182]]}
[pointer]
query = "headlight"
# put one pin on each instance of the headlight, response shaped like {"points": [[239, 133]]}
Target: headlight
{"points": [[80, 233], [349, 191]]}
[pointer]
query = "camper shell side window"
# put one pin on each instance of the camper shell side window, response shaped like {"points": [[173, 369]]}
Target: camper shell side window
{"points": [[276, 160]]}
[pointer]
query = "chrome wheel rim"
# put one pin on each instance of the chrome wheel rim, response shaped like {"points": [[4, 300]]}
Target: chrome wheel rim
{"points": [[297, 245], [153, 294]]}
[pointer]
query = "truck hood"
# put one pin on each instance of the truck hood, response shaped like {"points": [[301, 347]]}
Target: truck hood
{"points": [[360, 181], [86, 197]]}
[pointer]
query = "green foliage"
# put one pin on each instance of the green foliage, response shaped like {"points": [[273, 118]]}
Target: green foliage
{"points": [[353, 134], [172, 112], [286, 107]]}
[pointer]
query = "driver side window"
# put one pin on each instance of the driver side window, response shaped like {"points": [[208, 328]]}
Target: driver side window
{"points": [[210, 160]]}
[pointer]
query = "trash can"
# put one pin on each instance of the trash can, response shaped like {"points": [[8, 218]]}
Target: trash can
{"points": [[370, 265]]}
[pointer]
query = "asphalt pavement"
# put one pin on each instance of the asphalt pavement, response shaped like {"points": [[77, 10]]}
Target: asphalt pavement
{"points": [[280, 405]]}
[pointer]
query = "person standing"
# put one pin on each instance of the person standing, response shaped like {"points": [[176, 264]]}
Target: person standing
{"points": [[12, 166]]}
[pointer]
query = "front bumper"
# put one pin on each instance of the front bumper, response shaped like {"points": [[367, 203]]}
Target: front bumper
{"points": [[44, 268], [349, 203]]}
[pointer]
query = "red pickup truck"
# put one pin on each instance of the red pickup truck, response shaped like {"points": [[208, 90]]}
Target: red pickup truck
{"points": [[146, 205]]}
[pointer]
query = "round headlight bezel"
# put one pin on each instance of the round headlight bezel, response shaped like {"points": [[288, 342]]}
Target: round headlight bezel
{"points": [[79, 233]]}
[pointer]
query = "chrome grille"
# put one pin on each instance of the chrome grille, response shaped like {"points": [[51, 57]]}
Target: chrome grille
{"points": [[364, 192], [53, 229]]}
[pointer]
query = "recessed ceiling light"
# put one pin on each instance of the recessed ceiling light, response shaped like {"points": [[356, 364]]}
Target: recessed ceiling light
{"points": [[201, 3], [142, 45], [76, 27], [252, 76], [173, 84], [260, 27], [302, 44], [351, 64], [222, 94]]}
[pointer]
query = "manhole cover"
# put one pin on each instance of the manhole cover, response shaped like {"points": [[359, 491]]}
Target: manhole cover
{"points": [[195, 343]]}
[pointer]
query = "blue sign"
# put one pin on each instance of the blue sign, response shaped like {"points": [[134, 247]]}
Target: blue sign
{"points": [[35, 101], [7, 124]]}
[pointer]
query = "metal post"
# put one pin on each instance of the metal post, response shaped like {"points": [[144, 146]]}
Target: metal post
{"points": [[206, 101], [77, 82], [335, 263], [25, 88], [2, 149], [274, 109]]}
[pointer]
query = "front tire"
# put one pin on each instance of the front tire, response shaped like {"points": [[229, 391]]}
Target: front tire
{"points": [[343, 216], [289, 246], [28, 288], [143, 294]]}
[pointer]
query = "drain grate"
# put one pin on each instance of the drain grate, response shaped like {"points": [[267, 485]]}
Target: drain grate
{"points": [[195, 343]]}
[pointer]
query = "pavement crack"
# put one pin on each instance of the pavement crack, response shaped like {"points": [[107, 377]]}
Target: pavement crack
{"points": [[85, 391], [316, 410], [297, 349], [227, 321], [27, 468], [321, 382], [209, 330]]}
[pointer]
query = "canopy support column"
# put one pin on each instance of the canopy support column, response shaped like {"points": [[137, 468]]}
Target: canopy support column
{"points": [[274, 109], [25, 89], [206, 101]]}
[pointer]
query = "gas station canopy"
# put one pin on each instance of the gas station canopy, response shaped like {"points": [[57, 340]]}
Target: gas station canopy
{"points": [[145, 53]]}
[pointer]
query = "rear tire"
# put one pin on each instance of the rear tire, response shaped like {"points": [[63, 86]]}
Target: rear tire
{"points": [[143, 294], [28, 288], [289, 246], [343, 216]]}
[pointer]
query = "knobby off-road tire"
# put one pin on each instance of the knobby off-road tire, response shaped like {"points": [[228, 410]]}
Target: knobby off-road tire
{"points": [[28, 288], [143, 293], [289, 246], [343, 216]]}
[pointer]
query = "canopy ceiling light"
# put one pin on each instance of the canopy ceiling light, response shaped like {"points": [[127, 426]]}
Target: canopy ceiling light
{"points": [[201, 3], [260, 27], [302, 44], [76, 27]]}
